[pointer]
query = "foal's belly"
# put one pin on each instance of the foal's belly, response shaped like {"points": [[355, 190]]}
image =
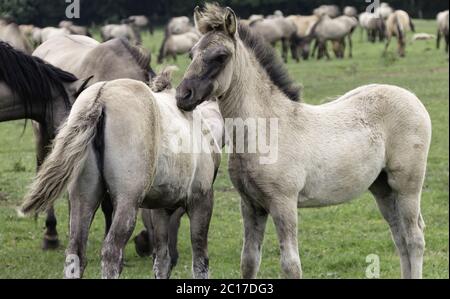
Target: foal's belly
{"points": [[336, 185]]}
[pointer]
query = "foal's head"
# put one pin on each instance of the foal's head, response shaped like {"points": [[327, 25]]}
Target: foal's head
{"points": [[210, 72], [215, 58]]}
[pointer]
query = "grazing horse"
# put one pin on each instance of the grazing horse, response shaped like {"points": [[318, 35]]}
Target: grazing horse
{"points": [[126, 31], [74, 29], [327, 10], [398, 24], [179, 25], [274, 30], [442, 22], [122, 138], [302, 41], [374, 25], [11, 33], [177, 44], [350, 11], [384, 10], [375, 137], [335, 30], [142, 22]]}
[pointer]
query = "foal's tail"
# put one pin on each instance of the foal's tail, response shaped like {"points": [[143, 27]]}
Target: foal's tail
{"points": [[400, 29], [411, 25], [69, 152]]}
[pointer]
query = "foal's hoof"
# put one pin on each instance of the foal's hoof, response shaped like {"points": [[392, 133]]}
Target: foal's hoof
{"points": [[50, 243], [142, 244]]}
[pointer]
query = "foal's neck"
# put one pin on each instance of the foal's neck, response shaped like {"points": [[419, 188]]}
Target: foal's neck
{"points": [[251, 92]]}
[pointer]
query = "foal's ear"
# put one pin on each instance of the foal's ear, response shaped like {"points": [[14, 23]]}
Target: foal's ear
{"points": [[197, 16], [230, 22]]}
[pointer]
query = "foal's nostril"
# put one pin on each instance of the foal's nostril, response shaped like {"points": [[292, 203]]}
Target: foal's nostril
{"points": [[188, 94]]}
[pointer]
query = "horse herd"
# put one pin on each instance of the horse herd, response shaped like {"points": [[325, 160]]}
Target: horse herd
{"points": [[295, 32], [111, 122]]}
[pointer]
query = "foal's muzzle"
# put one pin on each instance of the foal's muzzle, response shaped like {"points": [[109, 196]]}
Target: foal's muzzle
{"points": [[192, 92]]}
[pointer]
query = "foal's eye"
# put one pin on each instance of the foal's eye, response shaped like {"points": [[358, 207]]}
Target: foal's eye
{"points": [[220, 58]]}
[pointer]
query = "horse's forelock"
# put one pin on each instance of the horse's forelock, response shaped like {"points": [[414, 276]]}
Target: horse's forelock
{"points": [[211, 18]]}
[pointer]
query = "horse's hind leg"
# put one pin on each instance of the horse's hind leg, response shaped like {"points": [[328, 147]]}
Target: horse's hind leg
{"points": [[200, 212], [124, 221], [386, 201], [350, 45], [438, 39], [405, 175], [144, 241], [285, 47], [107, 209], [161, 264], [386, 46], [255, 219], [174, 226], [85, 194], [50, 240], [285, 218]]}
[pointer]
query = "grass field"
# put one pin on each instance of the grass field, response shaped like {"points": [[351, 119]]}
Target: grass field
{"points": [[334, 242]]}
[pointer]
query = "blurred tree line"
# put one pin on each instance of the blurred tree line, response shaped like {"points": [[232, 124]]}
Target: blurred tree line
{"points": [[50, 12]]}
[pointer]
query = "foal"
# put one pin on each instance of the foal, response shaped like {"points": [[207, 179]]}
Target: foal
{"points": [[375, 137], [121, 138]]}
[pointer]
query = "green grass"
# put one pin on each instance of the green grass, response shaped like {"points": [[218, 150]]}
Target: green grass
{"points": [[334, 242]]}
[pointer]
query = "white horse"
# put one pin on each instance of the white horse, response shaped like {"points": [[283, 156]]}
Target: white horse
{"points": [[122, 138], [375, 137], [177, 44], [127, 31], [10, 32], [397, 25]]}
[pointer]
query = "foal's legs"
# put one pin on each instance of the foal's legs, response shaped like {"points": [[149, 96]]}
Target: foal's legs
{"points": [[123, 223], [200, 212], [107, 209], [50, 240], [161, 264], [387, 204], [386, 46], [145, 240], [285, 47], [284, 214], [255, 219], [350, 45], [438, 39], [174, 226], [85, 194], [401, 206]]}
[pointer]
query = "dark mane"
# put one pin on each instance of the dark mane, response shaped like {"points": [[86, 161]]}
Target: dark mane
{"points": [[142, 59], [270, 61], [32, 79]]}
